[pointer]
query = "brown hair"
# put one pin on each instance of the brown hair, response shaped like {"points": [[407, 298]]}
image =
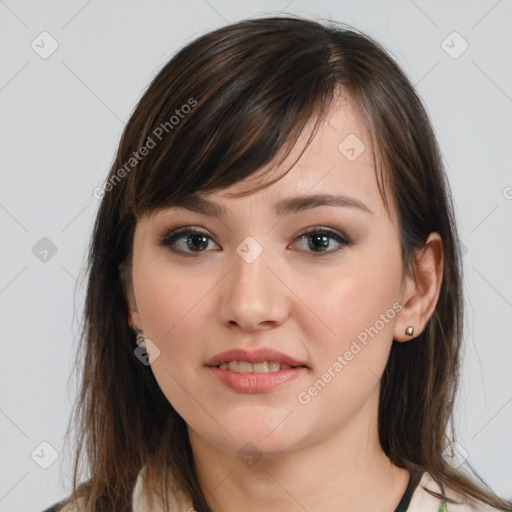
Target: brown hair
{"points": [[225, 105]]}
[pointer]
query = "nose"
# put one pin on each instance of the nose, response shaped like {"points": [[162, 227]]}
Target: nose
{"points": [[254, 293]]}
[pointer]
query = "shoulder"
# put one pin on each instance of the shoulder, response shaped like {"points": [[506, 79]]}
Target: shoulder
{"points": [[142, 491], [424, 499], [140, 500]]}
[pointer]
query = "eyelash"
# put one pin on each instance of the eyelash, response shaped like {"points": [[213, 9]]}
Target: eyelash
{"points": [[169, 238]]}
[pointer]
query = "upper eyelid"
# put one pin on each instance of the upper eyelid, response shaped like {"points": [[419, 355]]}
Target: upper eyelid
{"points": [[191, 227], [173, 234]]}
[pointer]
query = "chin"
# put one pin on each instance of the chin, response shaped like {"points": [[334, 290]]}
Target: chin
{"points": [[252, 438]]}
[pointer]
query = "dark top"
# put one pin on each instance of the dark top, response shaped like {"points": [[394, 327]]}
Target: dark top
{"points": [[402, 506], [414, 480]]}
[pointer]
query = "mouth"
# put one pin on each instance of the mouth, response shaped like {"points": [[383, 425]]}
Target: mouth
{"points": [[261, 360], [255, 377], [259, 367]]}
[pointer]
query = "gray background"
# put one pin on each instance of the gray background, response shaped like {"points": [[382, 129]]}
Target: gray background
{"points": [[61, 119]]}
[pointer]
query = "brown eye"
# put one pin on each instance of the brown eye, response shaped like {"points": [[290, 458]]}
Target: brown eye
{"points": [[191, 241], [194, 240], [319, 239]]}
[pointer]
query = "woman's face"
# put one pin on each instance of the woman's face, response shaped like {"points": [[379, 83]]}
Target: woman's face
{"points": [[253, 283]]}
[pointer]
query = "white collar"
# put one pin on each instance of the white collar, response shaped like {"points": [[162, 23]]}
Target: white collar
{"points": [[421, 500], [140, 503]]}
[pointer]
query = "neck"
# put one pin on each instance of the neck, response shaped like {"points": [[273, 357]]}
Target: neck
{"points": [[346, 471]]}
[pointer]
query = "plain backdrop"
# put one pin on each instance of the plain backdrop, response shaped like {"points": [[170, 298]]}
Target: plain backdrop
{"points": [[71, 73]]}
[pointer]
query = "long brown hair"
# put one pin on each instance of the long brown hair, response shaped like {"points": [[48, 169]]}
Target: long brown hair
{"points": [[225, 105]]}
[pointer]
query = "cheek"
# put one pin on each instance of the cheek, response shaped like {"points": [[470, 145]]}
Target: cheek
{"points": [[166, 295], [357, 310], [169, 308], [168, 305], [349, 363]]}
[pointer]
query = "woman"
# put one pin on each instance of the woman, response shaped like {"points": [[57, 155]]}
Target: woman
{"points": [[274, 308]]}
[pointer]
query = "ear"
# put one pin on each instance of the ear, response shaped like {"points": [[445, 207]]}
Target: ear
{"points": [[125, 274], [421, 288]]}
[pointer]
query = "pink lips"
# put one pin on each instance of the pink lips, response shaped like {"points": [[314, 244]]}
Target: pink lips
{"points": [[255, 382], [254, 356]]}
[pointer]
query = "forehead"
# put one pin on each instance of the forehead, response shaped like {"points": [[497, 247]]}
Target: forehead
{"points": [[338, 161]]}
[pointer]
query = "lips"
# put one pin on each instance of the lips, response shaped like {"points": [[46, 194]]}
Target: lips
{"points": [[254, 356]]}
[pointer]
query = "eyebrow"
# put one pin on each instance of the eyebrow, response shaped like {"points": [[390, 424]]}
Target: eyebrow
{"points": [[205, 206]]}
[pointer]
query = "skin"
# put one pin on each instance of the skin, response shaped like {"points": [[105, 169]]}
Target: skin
{"points": [[323, 455]]}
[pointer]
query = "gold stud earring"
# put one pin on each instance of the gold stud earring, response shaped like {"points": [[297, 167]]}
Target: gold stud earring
{"points": [[409, 330]]}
